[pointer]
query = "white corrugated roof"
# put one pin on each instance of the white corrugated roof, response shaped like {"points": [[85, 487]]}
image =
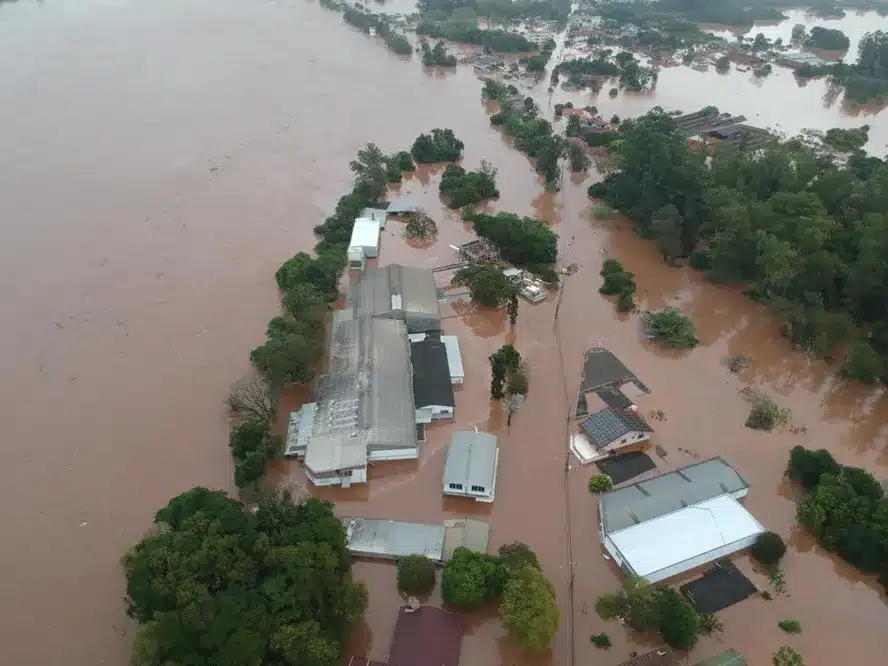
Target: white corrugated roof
{"points": [[678, 536], [454, 357], [365, 233]]}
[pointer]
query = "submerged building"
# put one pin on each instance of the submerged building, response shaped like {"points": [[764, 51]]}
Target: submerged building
{"points": [[406, 293], [678, 521], [363, 409]]}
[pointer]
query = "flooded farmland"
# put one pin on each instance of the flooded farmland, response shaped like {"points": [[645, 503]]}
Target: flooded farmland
{"points": [[162, 159]]}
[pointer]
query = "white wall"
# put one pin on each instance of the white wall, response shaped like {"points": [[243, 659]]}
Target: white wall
{"points": [[406, 453], [358, 475]]}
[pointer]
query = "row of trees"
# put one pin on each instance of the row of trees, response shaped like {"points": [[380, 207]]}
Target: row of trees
{"points": [[463, 188], [502, 10], [365, 21], [532, 134], [804, 232], [508, 373], [620, 282], [528, 607], [219, 583], [497, 40], [845, 509]]}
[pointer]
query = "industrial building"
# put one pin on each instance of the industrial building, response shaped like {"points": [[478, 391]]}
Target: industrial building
{"points": [[433, 396], [363, 409], [699, 502], [399, 292]]}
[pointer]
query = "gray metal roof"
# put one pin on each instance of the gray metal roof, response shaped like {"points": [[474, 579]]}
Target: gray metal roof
{"points": [[471, 459], [655, 497], [400, 206], [366, 399], [300, 429], [465, 533], [602, 369], [384, 290], [391, 539], [608, 425]]}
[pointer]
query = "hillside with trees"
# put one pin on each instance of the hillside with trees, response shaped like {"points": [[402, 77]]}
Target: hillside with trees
{"points": [[803, 232], [217, 583]]}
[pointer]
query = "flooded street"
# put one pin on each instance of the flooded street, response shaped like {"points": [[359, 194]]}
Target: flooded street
{"points": [[162, 159]]}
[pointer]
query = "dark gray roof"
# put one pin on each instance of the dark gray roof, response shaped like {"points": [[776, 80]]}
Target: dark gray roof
{"points": [[609, 425], [471, 459], [614, 398], [655, 497], [604, 370], [431, 374]]}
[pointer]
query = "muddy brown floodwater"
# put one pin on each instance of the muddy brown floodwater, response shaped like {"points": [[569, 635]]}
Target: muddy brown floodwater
{"points": [[160, 161]]}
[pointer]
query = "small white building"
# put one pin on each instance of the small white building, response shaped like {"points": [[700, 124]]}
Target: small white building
{"points": [[470, 468], [364, 243], [678, 521], [377, 214]]}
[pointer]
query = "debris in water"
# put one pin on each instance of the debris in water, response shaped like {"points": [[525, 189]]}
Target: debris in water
{"points": [[737, 363]]}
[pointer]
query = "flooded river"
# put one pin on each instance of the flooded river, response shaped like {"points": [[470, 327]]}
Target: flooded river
{"points": [[162, 159]]}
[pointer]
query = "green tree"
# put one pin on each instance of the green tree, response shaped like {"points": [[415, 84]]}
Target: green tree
{"points": [[214, 583], [252, 445], [304, 303], [671, 327], [529, 609], [371, 172], [471, 578], [786, 656], [439, 146], [252, 399], [321, 273], [790, 626], [504, 361], [516, 555], [420, 225], [487, 284], [769, 548], [599, 483], [416, 575], [863, 363], [806, 467], [601, 640], [666, 226], [579, 161], [512, 308], [679, 622], [463, 187], [523, 241], [288, 359]]}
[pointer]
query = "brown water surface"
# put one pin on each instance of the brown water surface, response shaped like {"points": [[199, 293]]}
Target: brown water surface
{"points": [[161, 160]]}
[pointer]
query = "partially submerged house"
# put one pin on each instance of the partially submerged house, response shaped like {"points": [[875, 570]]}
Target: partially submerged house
{"points": [[393, 539], [364, 243], [608, 431], [399, 292], [363, 408], [433, 397], [677, 521], [424, 636], [471, 464]]}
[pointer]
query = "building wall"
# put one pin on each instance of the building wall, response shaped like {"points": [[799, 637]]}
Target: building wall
{"points": [[403, 453], [358, 475], [629, 439], [422, 323], [433, 413]]}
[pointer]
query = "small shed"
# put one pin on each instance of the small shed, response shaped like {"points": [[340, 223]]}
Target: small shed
{"points": [[364, 241], [470, 468]]}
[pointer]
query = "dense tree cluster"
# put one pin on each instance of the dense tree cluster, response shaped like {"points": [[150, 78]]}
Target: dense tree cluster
{"points": [[769, 548], [670, 327], [787, 656], [828, 39], [463, 188], [847, 140], [865, 80], [487, 284], [494, 39], [439, 146], [845, 510], [218, 583], [653, 608], [437, 55], [537, 63], [522, 241], [502, 10], [253, 444], [532, 134], [805, 233], [619, 281], [579, 160], [528, 608]]}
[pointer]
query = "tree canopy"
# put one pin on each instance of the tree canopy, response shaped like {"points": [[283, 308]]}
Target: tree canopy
{"points": [[846, 509], [220, 584], [495, 39], [253, 445], [463, 187], [529, 609], [671, 327], [416, 574], [471, 578], [803, 231], [437, 55], [523, 241], [828, 39], [439, 146], [487, 284]]}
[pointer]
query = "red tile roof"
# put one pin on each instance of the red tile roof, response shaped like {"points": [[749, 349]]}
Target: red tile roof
{"points": [[428, 636]]}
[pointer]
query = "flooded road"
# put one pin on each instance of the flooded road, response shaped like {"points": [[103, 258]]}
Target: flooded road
{"points": [[162, 159]]}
